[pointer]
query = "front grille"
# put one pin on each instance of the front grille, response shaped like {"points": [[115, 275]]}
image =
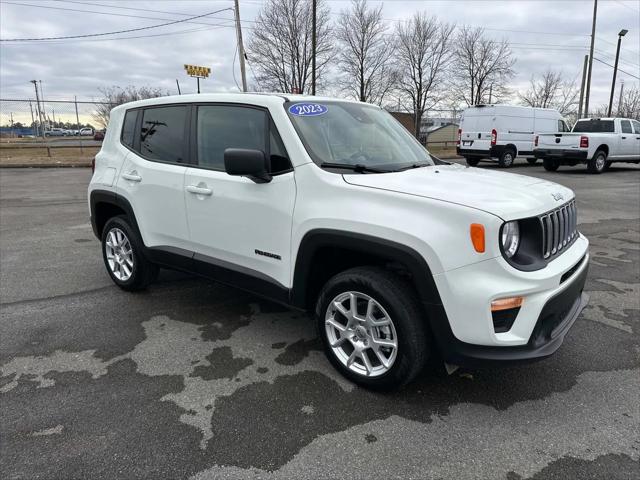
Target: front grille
{"points": [[559, 229]]}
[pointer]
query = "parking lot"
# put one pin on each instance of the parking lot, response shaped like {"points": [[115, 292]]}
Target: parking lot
{"points": [[194, 379]]}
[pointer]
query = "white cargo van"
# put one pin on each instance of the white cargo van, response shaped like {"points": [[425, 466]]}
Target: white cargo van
{"points": [[503, 132]]}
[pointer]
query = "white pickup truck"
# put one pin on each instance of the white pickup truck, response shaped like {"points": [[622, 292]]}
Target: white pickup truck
{"points": [[597, 142]]}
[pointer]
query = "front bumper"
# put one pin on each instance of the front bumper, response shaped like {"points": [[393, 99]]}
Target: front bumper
{"points": [[561, 154], [464, 330]]}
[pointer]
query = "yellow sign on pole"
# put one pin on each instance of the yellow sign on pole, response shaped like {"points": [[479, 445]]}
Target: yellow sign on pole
{"points": [[196, 71]]}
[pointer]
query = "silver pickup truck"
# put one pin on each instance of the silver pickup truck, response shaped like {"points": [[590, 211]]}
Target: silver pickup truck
{"points": [[596, 142]]}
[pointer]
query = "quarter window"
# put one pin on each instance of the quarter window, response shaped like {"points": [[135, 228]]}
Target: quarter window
{"points": [[129, 127], [625, 125], [636, 125], [162, 135]]}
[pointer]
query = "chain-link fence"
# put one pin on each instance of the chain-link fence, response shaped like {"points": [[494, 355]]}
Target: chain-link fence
{"points": [[28, 118]]}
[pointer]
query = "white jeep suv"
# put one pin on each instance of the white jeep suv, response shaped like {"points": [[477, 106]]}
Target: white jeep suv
{"points": [[332, 206]]}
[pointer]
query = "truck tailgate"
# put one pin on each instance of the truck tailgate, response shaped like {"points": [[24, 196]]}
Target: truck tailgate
{"points": [[559, 140]]}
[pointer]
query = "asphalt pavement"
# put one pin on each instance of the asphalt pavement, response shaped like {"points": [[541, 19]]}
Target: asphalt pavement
{"points": [[192, 379]]}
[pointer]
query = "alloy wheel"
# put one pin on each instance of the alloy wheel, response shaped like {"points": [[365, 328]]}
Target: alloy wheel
{"points": [[361, 334], [119, 254]]}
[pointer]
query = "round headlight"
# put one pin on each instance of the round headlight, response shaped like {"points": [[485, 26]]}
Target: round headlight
{"points": [[510, 238]]}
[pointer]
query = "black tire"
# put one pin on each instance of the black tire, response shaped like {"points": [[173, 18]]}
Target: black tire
{"points": [[598, 163], [507, 157], [398, 297], [472, 161], [142, 272], [607, 165], [532, 161], [550, 165]]}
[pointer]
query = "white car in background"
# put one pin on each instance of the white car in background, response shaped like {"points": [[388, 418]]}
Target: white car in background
{"points": [[86, 132], [503, 132]]}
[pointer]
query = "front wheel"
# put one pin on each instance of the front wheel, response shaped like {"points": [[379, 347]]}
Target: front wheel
{"points": [[372, 327], [507, 158], [598, 163], [550, 165], [123, 257]]}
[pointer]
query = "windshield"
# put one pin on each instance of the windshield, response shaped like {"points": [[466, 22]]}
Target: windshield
{"points": [[594, 126], [355, 134]]}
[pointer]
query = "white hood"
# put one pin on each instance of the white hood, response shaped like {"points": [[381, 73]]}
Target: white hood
{"points": [[506, 195]]}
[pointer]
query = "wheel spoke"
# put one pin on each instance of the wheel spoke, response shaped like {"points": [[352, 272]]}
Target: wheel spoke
{"points": [[343, 311], [338, 342], [379, 322], [352, 358], [383, 360], [335, 324], [367, 363], [384, 343]]}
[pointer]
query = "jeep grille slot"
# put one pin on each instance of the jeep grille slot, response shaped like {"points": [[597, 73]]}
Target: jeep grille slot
{"points": [[559, 229]]}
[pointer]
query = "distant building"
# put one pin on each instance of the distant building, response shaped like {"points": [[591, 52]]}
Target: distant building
{"points": [[443, 135], [406, 119]]}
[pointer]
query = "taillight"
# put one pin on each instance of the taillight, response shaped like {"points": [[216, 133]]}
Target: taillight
{"points": [[494, 137], [459, 136], [584, 142], [93, 165], [535, 142]]}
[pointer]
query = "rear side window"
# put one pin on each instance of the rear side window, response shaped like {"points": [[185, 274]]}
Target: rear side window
{"points": [[129, 127], [162, 134], [625, 125], [220, 127], [636, 125], [594, 126]]}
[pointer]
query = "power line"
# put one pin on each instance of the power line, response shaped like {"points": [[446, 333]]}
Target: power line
{"points": [[620, 70], [105, 33]]}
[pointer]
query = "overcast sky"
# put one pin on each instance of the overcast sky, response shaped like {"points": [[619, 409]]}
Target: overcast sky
{"points": [[543, 34]]}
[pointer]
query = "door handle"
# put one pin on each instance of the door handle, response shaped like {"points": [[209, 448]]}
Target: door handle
{"points": [[624, 138], [132, 176], [199, 190]]}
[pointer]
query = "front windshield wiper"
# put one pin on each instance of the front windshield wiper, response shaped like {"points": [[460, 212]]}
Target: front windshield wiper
{"points": [[358, 167], [413, 165]]}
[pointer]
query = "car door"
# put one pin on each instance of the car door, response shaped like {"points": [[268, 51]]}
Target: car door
{"points": [[152, 177], [636, 136], [239, 229], [627, 139]]}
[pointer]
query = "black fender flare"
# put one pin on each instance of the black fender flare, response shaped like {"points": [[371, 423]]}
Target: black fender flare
{"points": [[112, 198], [389, 250]]}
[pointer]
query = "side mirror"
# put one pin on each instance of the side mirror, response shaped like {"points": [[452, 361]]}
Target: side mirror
{"points": [[247, 163]]}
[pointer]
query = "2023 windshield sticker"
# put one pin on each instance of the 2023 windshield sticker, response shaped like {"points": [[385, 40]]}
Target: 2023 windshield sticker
{"points": [[307, 109]]}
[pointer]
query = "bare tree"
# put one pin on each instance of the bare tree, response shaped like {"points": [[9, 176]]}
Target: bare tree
{"points": [[551, 90], [630, 105], [114, 96], [280, 45], [422, 56], [365, 53], [482, 67]]}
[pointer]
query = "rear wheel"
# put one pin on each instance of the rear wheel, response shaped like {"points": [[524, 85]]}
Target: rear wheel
{"points": [[607, 165], [550, 165], [598, 163], [472, 161], [506, 158], [532, 161], [372, 327], [123, 257]]}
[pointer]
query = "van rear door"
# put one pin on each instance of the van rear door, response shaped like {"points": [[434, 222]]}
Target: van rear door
{"points": [[476, 126]]}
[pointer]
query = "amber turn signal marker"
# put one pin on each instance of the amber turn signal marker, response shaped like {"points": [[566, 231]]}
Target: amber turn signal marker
{"points": [[477, 237], [506, 303]]}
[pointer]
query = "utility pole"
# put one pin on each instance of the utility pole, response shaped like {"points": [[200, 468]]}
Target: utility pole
{"points": [[44, 110], [490, 92], [243, 72], [313, 49], [593, 38], [622, 33], [178, 84], [620, 99], [75, 99], [33, 122], [584, 77], [42, 129]]}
